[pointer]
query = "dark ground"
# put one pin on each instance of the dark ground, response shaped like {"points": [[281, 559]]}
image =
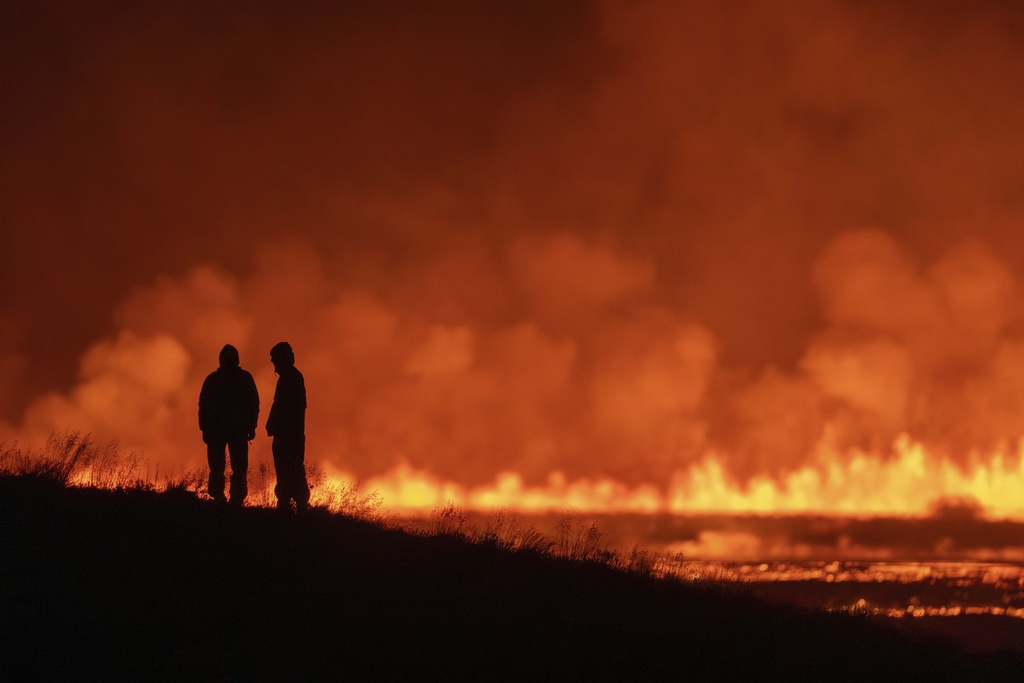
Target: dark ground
{"points": [[104, 585]]}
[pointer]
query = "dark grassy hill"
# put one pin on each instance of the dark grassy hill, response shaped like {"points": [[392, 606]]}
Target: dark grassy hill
{"points": [[137, 585]]}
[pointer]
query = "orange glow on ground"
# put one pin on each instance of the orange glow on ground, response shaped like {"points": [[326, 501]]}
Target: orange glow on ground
{"points": [[880, 584]]}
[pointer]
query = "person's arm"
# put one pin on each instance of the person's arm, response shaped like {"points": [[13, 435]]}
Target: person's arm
{"points": [[254, 408], [275, 409], [204, 405]]}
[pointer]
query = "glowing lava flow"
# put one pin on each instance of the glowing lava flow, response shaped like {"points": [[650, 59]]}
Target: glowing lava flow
{"points": [[906, 482]]}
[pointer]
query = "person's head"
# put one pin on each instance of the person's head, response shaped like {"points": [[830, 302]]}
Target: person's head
{"points": [[282, 356], [229, 356]]}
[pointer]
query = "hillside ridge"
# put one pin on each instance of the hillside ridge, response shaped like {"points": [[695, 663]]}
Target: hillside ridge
{"points": [[136, 584]]}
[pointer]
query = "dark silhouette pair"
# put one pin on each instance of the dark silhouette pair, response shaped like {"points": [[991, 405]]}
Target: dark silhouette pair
{"points": [[229, 406]]}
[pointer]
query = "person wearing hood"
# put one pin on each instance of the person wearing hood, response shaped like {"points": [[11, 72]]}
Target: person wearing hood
{"points": [[229, 407], [287, 425]]}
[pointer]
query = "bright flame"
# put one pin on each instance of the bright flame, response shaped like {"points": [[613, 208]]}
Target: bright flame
{"points": [[905, 483]]}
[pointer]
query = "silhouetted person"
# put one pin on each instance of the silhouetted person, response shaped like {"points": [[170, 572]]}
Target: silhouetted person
{"points": [[229, 406], [287, 424]]}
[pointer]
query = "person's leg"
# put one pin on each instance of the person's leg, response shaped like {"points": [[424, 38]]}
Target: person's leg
{"points": [[215, 459], [239, 450], [289, 458], [300, 487], [280, 452]]}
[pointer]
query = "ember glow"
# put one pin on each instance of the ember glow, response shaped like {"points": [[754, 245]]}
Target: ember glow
{"points": [[936, 589], [651, 257]]}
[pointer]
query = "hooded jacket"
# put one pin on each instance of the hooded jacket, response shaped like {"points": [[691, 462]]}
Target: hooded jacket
{"points": [[288, 412], [229, 404]]}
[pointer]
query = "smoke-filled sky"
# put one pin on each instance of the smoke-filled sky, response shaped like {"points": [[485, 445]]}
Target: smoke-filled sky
{"points": [[600, 238]]}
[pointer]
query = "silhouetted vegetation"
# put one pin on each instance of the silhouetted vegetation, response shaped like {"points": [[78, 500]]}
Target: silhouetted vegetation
{"points": [[149, 582]]}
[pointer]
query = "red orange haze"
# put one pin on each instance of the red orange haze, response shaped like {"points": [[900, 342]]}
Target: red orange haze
{"points": [[652, 256]]}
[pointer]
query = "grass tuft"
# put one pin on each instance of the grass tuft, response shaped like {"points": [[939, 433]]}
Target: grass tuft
{"points": [[577, 539], [451, 520], [65, 455], [72, 459], [511, 532]]}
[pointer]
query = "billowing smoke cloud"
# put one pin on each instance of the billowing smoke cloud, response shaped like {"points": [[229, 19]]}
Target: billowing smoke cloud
{"points": [[587, 379], [929, 350], [388, 383], [605, 239], [932, 349]]}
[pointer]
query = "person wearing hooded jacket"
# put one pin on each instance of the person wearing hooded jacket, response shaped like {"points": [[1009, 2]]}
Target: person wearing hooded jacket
{"points": [[287, 425], [229, 406]]}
